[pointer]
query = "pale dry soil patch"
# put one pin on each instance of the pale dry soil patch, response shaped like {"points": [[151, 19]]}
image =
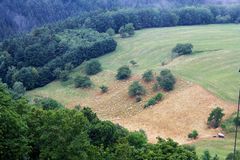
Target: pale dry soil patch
{"points": [[181, 111]]}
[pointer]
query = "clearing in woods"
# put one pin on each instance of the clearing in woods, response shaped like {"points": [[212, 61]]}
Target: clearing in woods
{"points": [[213, 68]]}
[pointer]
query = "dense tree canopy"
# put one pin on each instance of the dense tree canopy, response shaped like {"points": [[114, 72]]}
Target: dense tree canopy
{"points": [[29, 132]]}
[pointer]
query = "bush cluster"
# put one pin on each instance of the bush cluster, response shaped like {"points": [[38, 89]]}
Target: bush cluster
{"points": [[123, 72], [154, 100], [136, 89], [93, 67], [82, 82], [166, 80], [148, 76], [193, 134], [182, 49]]}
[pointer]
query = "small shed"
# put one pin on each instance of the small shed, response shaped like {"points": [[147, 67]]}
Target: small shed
{"points": [[221, 135]]}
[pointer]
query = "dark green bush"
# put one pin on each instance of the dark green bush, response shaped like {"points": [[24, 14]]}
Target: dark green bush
{"points": [[193, 134], [82, 82], [104, 88], [166, 80], [182, 49], [136, 89], [154, 100], [215, 117], [123, 73], [148, 76], [93, 67]]}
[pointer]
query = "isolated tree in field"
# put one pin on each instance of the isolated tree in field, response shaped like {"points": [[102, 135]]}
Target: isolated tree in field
{"points": [[193, 134], [110, 32], [215, 117], [82, 82], [166, 80], [123, 73], [93, 67], [18, 90], [132, 62], [104, 88], [148, 76], [136, 89], [182, 49]]}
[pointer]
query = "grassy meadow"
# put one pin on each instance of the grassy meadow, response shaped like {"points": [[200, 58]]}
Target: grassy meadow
{"points": [[214, 65]]}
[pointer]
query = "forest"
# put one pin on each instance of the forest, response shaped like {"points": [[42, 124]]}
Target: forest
{"points": [[32, 58], [23, 15]]}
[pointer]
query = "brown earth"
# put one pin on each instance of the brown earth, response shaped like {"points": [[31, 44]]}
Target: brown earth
{"points": [[182, 110]]}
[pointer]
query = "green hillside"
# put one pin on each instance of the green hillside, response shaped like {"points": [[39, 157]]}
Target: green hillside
{"points": [[214, 64]]}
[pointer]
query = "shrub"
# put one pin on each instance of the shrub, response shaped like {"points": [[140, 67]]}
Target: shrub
{"points": [[154, 100], [148, 76], [82, 82], [182, 49], [103, 88], [49, 104], [93, 67], [133, 62], [123, 73], [136, 89], [193, 134], [110, 32], [166, 80], [158, 97], [215, 117]]}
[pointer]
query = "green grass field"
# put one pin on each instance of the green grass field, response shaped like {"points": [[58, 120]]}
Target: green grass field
{"points": [[214, 65], [221, 147]]}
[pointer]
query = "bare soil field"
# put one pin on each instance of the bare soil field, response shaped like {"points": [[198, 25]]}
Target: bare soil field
{"points": [[182, 110]]}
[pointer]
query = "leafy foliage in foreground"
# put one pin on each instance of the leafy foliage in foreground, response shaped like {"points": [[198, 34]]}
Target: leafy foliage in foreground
{"points": [[29, 132]]}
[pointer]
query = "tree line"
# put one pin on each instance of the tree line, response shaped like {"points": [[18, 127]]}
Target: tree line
{"points": [[19, 16], [35, 58]]}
